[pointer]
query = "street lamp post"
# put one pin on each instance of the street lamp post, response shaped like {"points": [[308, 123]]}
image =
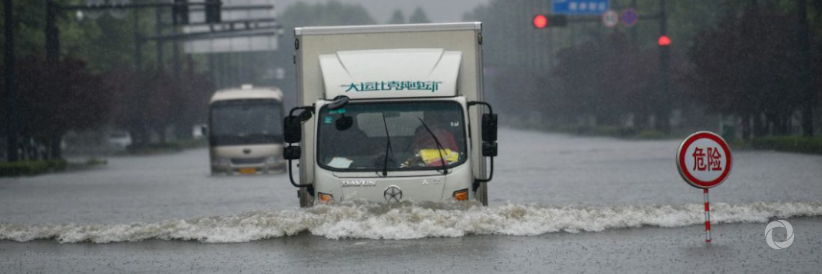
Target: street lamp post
{"points": [[10, 85]]}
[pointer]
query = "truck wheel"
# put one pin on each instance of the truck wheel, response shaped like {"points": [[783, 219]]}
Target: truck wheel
{"points": [[306, 200], [482, 194]]}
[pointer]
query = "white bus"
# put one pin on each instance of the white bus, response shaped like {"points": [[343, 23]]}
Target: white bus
{"points": [[245, 132]]}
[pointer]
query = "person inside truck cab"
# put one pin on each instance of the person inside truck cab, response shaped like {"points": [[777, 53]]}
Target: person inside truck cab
{"points": [[425, 145]]}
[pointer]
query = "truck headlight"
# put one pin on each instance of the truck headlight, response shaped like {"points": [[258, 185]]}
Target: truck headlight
{"points": [[461, 195], [271, 160], [326, 198]]}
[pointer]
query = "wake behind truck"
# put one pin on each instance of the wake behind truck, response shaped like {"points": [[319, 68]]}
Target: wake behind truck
{"points": [[390, 113]]}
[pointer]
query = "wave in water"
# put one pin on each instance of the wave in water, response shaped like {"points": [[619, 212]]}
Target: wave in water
{"points": [[408, 221]]}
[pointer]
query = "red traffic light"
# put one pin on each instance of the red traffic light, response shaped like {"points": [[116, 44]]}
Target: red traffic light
{"points": [[664, 41], [540, 21]]}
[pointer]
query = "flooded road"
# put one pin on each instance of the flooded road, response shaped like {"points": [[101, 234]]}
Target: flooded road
{"points": [[558, 202]]}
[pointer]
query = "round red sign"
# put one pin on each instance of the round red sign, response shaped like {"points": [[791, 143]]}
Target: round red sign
{"points": [[704, 160]]}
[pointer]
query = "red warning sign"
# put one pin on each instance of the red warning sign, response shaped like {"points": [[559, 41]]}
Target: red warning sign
{"points": [[704, 160]]}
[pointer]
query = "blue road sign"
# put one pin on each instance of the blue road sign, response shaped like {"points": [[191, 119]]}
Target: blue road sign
{"points": [[629, 17], [581, 7]]}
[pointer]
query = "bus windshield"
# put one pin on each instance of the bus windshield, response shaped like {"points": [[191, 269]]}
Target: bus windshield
{"points": [[237, 122], [422, 135]]}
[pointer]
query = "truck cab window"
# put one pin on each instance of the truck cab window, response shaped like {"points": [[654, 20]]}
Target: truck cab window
{"points": [[363, 146]]}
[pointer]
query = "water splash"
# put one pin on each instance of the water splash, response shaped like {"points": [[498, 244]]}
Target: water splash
{"points": [[408, 221]]}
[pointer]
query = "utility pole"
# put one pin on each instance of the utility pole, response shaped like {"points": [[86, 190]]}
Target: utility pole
{"points": [[175, 51], [805, 71], [664, 107], [158, 31], [52, 58], [633, 29], [138, 42], [10, 85], [52, 34]]}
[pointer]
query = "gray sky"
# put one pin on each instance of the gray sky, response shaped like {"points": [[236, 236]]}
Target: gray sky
{"points": [[380, 10]]}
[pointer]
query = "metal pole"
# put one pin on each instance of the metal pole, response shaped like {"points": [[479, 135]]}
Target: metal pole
{"points": [[52, 34], [175, 51], [138, 43], [10, 85], [806, 67], [52, 58], [664, 123], [211, 68], [158, 30], [707, 217], [633, 29]]}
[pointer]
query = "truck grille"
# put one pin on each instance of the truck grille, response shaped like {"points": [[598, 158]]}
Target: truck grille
{"points": [[247, 161]]}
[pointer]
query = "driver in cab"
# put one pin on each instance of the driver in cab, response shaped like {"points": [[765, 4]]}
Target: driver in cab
{"points": [[434, 142]]}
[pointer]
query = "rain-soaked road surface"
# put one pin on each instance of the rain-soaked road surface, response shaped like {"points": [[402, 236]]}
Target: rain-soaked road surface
{"points": [[547, 188]]}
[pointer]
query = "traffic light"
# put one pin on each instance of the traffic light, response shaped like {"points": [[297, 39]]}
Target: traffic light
{"points": [[541, 21], [664, 41], [212, 11], [180, 12]]}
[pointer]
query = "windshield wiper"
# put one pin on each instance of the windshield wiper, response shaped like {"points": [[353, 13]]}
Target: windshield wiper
{"points": [[440, 148], [387, 148]]}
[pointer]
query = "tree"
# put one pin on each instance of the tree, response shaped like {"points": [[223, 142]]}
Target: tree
{"points": [[747, 68], [58, 99], [418, 17], [605, 78], [397, 17]]}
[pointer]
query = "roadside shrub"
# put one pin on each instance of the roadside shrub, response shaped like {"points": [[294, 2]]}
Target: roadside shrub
{"points": [[789, 143], [30, 168]]}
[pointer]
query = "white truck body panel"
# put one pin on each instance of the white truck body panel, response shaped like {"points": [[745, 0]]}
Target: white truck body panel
{"points": [[366, 74]]}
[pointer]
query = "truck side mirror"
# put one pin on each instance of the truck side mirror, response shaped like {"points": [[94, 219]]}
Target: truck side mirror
{"points": [[292, 129], [305, 115], [489, 149], [292, 153], [204, 130], [339, 101], [489, 128]]}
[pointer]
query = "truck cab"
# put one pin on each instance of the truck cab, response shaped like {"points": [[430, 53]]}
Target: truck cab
{"points": [[390, 114]]}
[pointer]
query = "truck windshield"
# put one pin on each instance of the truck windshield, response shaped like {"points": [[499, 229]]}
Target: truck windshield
{"points": [[354, 138], [238, 122]]}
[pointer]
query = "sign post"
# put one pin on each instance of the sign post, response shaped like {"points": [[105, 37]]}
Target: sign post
{"points": [[704, 161]]}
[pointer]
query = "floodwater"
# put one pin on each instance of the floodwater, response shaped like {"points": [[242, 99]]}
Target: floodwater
{"points": [[558, 203]]}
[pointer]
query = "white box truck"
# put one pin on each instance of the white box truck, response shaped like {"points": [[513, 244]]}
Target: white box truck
{"points": [[390, 113]]}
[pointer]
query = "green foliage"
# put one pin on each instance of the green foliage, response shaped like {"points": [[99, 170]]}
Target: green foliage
{"points": [[789, 144], [747, 66], [419, 17], [30, 168], [105, 43]]}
